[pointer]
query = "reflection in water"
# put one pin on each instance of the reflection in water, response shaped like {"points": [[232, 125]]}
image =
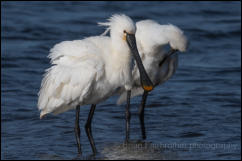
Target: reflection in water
{"points": [[49, 157], [74, 157], [138, 150]]}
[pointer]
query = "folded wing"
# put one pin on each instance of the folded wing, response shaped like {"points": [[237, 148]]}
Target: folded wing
{"points": [[75, 67]]}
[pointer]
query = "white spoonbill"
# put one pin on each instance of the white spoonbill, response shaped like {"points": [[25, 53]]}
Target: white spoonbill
{"points": [[151, 39], [89, 71]]}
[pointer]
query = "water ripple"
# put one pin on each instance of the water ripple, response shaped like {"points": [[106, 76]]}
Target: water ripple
{"points": [[200, 103]]}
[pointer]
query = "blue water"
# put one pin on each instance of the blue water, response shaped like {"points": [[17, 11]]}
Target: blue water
{"points": [[195, 115]]}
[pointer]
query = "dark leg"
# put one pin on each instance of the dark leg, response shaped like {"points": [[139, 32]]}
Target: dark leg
{"points": [[127, 116], [141, 114], [77, 130], [89, 129]]}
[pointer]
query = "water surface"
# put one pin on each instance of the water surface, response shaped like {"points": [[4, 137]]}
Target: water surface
{"points": [[195, 115]]}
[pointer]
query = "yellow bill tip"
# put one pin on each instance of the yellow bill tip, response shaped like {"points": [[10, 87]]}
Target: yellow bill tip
{"points": [[148, 88], [124, 37]]}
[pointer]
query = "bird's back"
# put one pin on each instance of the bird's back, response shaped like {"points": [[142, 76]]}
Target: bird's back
{"points": [[75, 66]]}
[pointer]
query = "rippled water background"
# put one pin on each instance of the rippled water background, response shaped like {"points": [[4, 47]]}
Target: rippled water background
{"points": [[195, 115]]}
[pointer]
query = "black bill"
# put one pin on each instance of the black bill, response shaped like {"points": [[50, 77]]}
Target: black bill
{"points": [[144, 78], [170, 52]]}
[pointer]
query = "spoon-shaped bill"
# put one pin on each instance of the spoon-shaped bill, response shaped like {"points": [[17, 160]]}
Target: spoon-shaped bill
{"points": [[144, 78]]}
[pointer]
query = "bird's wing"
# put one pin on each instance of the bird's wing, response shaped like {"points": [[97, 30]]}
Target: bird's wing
{"points": [[76, 65], [79, 49]]}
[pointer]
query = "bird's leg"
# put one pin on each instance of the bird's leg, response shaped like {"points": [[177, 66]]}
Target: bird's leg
{"points": [[77, 130], [141, 114], [89, 129], [127, 115]]}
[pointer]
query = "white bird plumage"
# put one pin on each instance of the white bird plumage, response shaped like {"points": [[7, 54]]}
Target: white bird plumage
{"points": [[151, 39], [91, 70], [87, 71]]}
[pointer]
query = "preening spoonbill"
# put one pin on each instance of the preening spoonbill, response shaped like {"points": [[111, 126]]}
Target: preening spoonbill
{"points": [[151, 39], [89, 71]]}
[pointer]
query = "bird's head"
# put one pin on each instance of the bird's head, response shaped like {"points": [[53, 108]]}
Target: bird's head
{"points": [[119, 26], [122, 32], [177, 39]]}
